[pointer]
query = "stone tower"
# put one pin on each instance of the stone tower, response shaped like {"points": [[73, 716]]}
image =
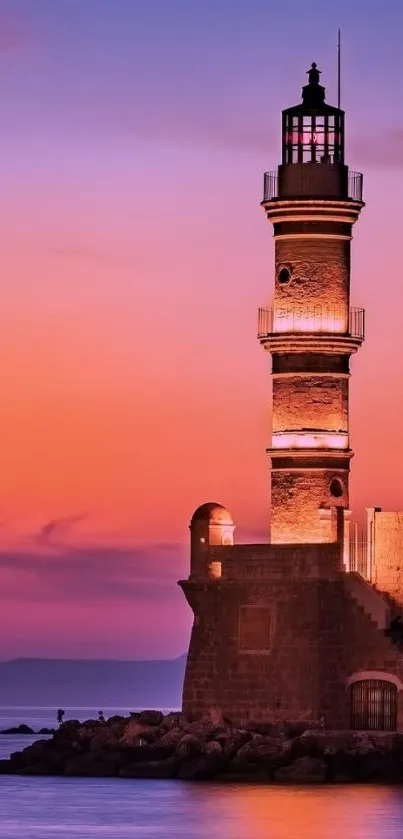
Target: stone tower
{"points": [[310, 329], [285, 630]]}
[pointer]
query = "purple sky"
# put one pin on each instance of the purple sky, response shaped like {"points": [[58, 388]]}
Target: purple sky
{"points": [[134, 256]]}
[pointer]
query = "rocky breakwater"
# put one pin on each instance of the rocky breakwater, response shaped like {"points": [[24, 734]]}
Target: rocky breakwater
{"points": [[150, 745]]}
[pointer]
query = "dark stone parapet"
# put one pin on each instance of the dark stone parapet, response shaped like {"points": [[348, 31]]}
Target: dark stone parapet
{"points": [[150, 745]]}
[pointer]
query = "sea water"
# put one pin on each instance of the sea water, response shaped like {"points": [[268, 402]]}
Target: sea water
{"points": [[82, 808]]}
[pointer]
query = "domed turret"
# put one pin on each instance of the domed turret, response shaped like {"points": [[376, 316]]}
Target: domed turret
{"points": [[211, 524], [211, 512]]}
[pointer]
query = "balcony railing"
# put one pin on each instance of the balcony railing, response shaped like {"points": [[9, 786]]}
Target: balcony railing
{"points": [[312, 320], [355, 181], [271, 186]]}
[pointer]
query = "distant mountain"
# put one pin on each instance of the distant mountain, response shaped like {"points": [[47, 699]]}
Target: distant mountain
{"points": [[77, 683]]}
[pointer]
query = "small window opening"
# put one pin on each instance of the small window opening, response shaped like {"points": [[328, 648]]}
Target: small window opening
{"points": [[284, 276], [336, 488]]}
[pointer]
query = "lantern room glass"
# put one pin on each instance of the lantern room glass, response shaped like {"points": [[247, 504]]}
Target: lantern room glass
{"points": [[313, 137]]}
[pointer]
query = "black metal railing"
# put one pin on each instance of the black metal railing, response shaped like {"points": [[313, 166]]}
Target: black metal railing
{"points": [[356, 323], [312, 320], [355, 183], [270, 185], [354, 186]]}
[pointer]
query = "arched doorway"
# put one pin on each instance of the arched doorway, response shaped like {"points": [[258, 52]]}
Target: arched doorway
{"points": [[373, 705]]}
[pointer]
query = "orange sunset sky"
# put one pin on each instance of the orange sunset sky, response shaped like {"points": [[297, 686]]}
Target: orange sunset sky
{"points": [[134, 256]]}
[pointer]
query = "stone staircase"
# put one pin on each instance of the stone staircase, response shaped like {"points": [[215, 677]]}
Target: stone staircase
{"points": [[370, 600], [377, 606]]}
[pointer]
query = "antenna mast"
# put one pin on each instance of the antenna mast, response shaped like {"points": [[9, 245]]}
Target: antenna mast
{"points": [[338, 70]]}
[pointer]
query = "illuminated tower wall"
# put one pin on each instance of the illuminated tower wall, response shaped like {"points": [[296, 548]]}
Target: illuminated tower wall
{"points": [[310, 329]]}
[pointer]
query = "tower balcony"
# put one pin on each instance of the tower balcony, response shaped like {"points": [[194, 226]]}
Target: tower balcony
{"points": [[302, 440], [317, 327], [321, 181]]}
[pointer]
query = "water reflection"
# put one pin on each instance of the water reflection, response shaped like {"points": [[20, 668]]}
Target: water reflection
{"points": [[63, 808], [276, 812]]}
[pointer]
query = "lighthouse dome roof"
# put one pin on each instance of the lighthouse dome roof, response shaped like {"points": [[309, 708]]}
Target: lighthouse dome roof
{"points": [[213, 513]]}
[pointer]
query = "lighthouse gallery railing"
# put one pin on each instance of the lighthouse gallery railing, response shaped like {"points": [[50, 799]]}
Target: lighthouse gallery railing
{"points": [[311, 319], [354, 186]]}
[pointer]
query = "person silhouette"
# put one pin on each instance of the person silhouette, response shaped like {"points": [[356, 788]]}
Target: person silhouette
{"points": [[60, 715]]}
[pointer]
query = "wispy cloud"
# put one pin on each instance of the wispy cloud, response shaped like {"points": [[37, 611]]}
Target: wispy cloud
{"points": [[90, 573], [56, 529]]}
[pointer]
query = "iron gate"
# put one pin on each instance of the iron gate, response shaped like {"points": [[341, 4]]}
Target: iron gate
{"points": [[374, 705]]}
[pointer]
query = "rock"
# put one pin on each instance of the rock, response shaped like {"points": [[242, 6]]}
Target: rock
{"points": [[267, 753], [153, 769], [89, 765], [39, 750], [102, 736], [67, 732], [361, 768], [294, 728], [46, 769], [202, 768], [258, 750], [307, 770], [171, 738], [170, 721], [318, 743], [103, 740], [196, 716], [144, 754], [388, 742], [6, 767], [39, 754], [150, 717], [203, 728], [266, 728], [90, 729], [212, 747], [148, 745], [136, 754], [19, 729], [116, 723], [361, 743], [234, 742], [151, 735], [188, 746], [46, 731], [245, 773], [117, 719], [135, 731]]}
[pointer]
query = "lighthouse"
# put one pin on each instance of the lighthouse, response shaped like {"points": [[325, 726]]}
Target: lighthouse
{"points": [[287, 630], [309, 328]]}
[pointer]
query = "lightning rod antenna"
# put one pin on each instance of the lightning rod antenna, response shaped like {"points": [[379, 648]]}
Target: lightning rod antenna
{"points": [[338, 70]]}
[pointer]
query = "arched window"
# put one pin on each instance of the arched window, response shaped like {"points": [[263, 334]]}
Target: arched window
{"points": [[373, 705]]}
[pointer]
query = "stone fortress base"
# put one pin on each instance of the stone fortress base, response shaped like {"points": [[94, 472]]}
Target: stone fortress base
{"points": [[285, 632]]}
